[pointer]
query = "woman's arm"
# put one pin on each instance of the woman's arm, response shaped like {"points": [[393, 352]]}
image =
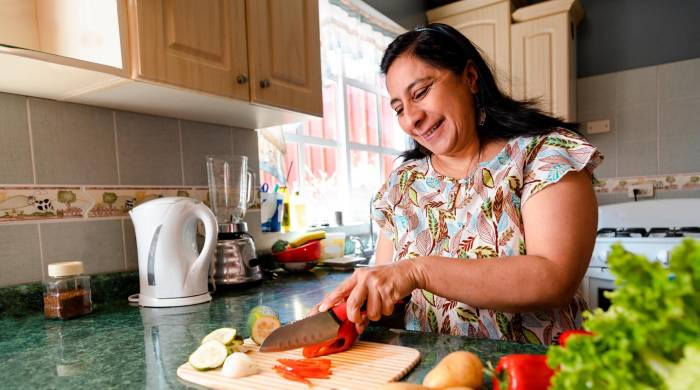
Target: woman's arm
{"points": [[384, 251], [559, 225]]}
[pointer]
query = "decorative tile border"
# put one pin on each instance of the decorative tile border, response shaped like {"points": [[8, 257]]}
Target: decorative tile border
{"points": [[27, 203], [681, 181]]}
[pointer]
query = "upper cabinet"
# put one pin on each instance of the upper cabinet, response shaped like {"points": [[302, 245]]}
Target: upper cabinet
{"points": [[191, 44], [284, 54], [250, 64], [267, 51], [487, 24], [543, 43]]}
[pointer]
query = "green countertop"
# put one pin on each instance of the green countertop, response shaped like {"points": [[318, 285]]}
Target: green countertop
{"points": [[121, 346]]}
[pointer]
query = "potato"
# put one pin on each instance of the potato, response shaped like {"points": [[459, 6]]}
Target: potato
{"points": [[457, 369], [403, 386]]}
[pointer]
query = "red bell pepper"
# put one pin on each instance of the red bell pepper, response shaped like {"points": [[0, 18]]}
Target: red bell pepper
{"points": [[568, 333], [291, 375], [522, 372], [347, 334]]}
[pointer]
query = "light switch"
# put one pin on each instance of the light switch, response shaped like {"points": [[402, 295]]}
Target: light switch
{"points": [[597, 127]]}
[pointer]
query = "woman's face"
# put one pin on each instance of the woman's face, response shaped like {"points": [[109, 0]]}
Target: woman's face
{"points": [[434, 106]]}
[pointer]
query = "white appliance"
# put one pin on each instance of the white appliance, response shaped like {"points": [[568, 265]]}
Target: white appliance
{"points": [[171, 271], [651, 228]]}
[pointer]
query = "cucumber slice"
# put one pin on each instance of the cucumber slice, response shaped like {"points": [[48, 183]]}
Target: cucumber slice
{"points": [[210, 354], [225, 336], [262, 320], [238, 365]]}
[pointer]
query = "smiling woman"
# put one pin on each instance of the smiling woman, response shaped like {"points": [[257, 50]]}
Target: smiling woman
{"points": [[489, 222]]}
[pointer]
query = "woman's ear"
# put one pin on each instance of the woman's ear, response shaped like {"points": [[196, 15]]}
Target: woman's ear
{"points": [[471, 76]]}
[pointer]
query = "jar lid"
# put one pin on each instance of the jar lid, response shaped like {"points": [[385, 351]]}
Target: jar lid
{"points": [[66, 268]]}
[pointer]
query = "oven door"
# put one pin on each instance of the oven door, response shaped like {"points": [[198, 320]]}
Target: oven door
{"points": [[597, 281]]}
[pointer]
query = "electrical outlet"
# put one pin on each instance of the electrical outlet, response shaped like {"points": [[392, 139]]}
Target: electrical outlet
{"points": [[644, 190], [597, 127]]}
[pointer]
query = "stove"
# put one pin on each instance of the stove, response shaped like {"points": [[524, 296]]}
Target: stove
{"points": [[651, 228]]}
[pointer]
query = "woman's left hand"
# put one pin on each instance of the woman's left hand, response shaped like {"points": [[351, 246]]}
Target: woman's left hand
{"points": [[381, 286]]}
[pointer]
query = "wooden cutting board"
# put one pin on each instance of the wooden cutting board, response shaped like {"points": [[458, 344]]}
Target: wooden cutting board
{"points": [[363, 367]]}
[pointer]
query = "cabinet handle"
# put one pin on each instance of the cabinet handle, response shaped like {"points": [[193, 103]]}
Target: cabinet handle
{"points": [[241, 79], [265, 83]]}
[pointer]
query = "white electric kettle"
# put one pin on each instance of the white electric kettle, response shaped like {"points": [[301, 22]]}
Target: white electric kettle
{"points": [[171, 271]]}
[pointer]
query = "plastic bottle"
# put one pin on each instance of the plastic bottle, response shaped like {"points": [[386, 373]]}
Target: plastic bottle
{"points": [[286, 216], [298, 209], [67, 291]]}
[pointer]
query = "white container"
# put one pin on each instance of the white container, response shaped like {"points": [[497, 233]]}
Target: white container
{"points": [[333, 245]]}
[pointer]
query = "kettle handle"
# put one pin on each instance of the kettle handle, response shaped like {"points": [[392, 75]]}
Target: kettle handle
{"points": [[203, 213]]}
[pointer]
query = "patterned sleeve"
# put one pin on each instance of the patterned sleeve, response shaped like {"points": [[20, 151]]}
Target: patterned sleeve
{"points": [[381, 207], [549, 157]]}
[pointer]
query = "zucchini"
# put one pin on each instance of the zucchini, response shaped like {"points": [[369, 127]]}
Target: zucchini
{"points": [[209, 355], [262, 320], [225, 336]]}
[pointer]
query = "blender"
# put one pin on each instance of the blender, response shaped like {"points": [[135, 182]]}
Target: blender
{"points": [[230, 189]]}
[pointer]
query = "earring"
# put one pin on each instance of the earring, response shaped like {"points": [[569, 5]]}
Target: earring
{"points": [[482, 114]]}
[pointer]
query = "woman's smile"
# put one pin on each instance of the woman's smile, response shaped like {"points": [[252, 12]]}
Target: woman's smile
{"points": [[433, 131]]}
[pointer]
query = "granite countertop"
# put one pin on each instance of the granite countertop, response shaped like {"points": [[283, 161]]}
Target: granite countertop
{"points": [[122, 346]]}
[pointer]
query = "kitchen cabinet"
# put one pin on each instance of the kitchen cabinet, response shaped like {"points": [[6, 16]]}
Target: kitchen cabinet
{"points": [[266, 51], [487, 24], [250, 64], [543, 55]]}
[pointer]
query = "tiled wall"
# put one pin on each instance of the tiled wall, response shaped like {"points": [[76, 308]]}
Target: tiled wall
{"points": [[70, 172], [654, 115]]}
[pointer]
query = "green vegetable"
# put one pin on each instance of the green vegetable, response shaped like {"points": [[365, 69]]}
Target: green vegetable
{"points": [[225, 336], [279, 246], [648, 338], [210, 354], [262, 320]]}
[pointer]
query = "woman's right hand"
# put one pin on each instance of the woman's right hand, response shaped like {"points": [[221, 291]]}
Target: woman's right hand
{"points": [[381, 287]]}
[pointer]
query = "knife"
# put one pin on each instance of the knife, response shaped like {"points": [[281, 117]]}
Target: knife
{"points": [[308, 331]]}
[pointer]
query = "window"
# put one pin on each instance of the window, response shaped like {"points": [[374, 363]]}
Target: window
{"points": [[338, 163]]}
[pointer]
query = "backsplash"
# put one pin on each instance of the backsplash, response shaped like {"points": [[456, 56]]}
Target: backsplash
{"points": [[69, 173], [654, 115]]}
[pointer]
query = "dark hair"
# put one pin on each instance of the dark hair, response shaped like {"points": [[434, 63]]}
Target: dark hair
{"points": [[444, 47]]}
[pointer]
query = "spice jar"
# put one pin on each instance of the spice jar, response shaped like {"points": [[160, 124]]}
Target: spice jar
{"points": [[67, 291]]}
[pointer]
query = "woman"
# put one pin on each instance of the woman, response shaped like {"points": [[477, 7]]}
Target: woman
{"points": [[490, 221]]}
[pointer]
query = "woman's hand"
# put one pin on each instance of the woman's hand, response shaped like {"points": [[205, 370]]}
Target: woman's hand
{"points": [[380, 286]]}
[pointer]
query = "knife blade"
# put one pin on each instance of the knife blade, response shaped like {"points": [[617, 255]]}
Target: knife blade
{"points": [[308, 331]]}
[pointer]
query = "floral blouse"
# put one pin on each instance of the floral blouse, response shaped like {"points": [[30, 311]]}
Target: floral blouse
{"points": [[425, 213]]}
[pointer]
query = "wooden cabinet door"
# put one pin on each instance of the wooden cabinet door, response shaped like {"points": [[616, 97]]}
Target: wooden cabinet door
{"points": [[487, 24], [543, 55], [284, 54], [198, 45]]}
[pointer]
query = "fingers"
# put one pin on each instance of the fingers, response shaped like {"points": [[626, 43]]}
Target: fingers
{"points": [[337, 295], [314, 310], [355, 300], [361, 326], [387, 307], [374, 304]]}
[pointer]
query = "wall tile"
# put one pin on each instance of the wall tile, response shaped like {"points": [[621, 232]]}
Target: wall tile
{"points": [[607, 145], [98, 244], [636, 86], [149, 150], [596, 94], [616, 197], [637, 158], [73, 144], [20, 259], [15, 150], [676, 194], [679, 154], [637, 123], [679, 79], [680, 118], [198, 141], [245, 143], [132, 256]]}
